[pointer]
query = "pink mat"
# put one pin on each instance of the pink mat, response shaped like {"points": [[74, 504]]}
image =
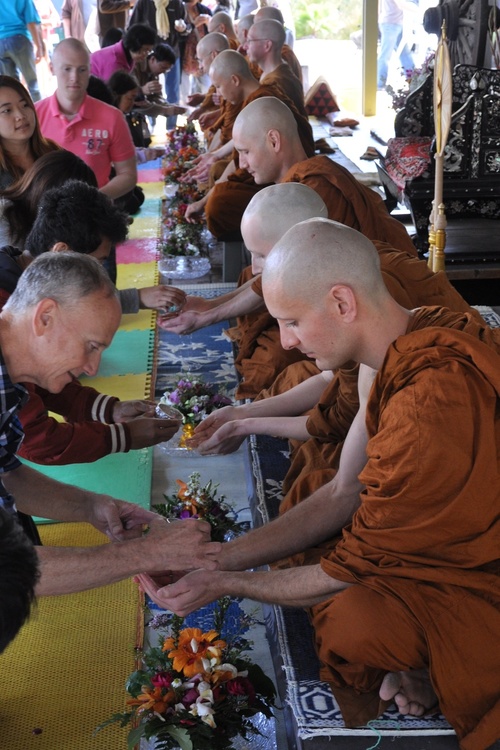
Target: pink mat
{"points": [[137, 251], [150, 175]]}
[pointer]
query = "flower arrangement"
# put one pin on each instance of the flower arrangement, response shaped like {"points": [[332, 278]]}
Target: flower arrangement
{"points": [[195, 399], [181, 238], [181, 148], [196, 690], [413, 79], [196, 501]]}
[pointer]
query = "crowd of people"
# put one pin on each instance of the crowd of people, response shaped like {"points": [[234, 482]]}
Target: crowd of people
{"points": [[384, 379]]}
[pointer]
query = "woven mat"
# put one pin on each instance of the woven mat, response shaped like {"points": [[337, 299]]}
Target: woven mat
{"points": [[65, 672]]}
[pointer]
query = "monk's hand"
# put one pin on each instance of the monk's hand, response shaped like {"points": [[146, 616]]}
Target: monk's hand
{"points": [[169, 299], [184, 323], [192, 591], [196, 304], [181, 545], [226, 439], [194, 210], [216, 419], [208, 118]]}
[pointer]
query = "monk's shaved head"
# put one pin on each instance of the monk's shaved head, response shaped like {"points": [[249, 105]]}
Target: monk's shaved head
{"points": [[214, 42], [264, 114], [269, 29], [229, 63], [246, 21], [278, 208], [317, 254], [272, 212], [269, 11], [221, 19]]}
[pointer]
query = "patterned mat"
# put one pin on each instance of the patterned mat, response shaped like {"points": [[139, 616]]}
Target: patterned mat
{"points": [[206, 352]]}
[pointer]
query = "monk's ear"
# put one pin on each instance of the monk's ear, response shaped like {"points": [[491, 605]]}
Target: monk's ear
{"points": [[44, 316], [274, 138], [343, 301]]}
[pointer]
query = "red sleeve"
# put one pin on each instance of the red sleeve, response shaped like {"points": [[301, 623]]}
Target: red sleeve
{"points": [[48, 441], [77, 402]]}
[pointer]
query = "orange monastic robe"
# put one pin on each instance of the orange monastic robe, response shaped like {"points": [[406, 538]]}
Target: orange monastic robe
{"points": [[350, 202], [261, 357], [285, 80], [422, 549], [314, 462], [292, 61]]}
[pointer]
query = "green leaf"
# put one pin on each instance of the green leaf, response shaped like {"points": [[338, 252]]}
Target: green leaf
{"points": [[181, 736], [135, 736]]}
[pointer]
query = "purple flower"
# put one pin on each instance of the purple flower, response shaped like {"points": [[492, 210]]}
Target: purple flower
{"points": [[189, 697]]}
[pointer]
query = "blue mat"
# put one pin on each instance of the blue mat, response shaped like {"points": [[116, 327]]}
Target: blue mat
{"points": [[206, 352]]}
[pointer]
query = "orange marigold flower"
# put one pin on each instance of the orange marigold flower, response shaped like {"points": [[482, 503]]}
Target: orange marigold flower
{"points": [[192, 648]]}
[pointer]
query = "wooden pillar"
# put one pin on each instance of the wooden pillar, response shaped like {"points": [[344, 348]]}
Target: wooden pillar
{"points": [[370, 38]]}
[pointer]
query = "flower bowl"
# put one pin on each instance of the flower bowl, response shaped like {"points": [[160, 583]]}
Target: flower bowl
{"points": [[183, 266]]}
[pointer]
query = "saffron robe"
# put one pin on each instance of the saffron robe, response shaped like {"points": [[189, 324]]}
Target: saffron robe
{"points": [[315, 461], [261, 358], [422, 549]]}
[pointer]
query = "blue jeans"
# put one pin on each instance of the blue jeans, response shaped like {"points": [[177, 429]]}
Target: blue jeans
{"points": [[390, 38], [172, 89], [17, 56]]}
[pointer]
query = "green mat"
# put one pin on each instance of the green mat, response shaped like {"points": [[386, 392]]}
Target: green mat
{"points": [[130, 353], [126, 476]]}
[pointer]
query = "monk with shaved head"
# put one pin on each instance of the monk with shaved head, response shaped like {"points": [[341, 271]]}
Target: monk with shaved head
{"points": [[265, 135], [287, 53], [231, 75], [207, 113], [223, 24], [405, 603]]}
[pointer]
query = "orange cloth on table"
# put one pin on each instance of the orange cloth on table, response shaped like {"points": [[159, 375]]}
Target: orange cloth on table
{"points": [[228, 200], [350, 202], [422, 549], [292, 61]]}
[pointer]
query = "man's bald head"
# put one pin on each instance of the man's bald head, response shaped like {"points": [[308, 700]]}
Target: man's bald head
{"points": [[229, 63], [221, 21], [69, 45], [266, 136], [272, 212], [209, 47], [244, 23], [271, 30], [215, 42], [269, 11], [335, 254]]}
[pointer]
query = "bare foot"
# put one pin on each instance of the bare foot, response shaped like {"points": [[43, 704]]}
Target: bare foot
{"points": [[411, 691]]}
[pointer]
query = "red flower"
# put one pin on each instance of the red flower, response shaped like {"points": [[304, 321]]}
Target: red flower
{"points": [[241, 686]]}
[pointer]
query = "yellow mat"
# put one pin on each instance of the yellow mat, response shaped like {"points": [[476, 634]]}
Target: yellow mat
{"points": [[65, 672], [136, 275]]}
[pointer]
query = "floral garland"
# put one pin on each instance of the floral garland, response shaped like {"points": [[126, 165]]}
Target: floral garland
{"points": [[195, 399], [196, 690], [196, 501]]}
